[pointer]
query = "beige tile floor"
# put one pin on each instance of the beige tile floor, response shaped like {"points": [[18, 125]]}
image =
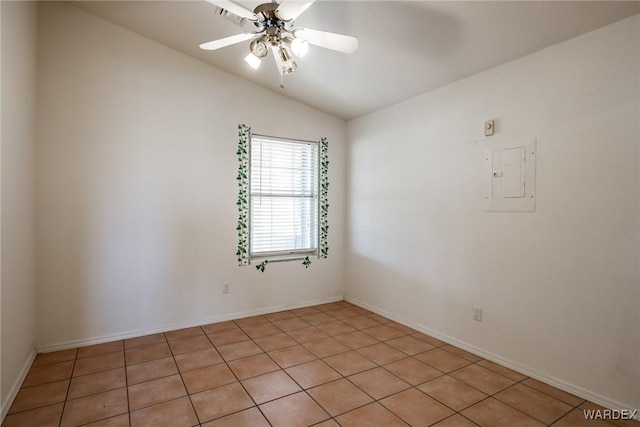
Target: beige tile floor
{"points": [[330, 365]]}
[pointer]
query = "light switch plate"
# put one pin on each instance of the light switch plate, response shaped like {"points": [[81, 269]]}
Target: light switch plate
{"points": [[489, 127]]}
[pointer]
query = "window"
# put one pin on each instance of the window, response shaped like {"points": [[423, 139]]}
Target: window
{"points": [[282, 199]]}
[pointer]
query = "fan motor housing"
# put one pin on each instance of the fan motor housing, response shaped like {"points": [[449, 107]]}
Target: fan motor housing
{"points": [[267, 14], [266, 11]]}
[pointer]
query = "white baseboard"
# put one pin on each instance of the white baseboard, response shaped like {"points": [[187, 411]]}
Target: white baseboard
{"points": [[511, 364], [15, 388], [173, 326]]}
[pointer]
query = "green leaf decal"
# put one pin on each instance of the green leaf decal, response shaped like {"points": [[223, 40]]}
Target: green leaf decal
{"points": [[242, 253]]}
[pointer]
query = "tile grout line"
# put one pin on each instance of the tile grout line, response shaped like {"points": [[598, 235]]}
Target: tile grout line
{"points": [[377, 366], [331, 417], [126, 380], [302, 389], [184, 384], [64, 405], [226, 362], [492, 396], [332, 336], [519, 410], [281, 369], [343, 377], [104, 391], [416, 386]]}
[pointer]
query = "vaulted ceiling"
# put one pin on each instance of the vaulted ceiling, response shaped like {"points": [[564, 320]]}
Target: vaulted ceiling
{"points": [[406, 47]]}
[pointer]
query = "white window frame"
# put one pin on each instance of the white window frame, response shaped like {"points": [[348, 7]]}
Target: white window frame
{"points": [[291, 253]]}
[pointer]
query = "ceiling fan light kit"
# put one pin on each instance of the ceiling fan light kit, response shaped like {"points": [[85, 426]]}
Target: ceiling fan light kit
{"points": [[258, 48], [300, 47], [253, 61], [273, 29], [288, 64]]}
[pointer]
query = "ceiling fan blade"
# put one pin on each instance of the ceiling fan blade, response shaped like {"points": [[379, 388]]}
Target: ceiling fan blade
{"points": [[291, 9], [227, 41], [339, 42], [235, 9]]}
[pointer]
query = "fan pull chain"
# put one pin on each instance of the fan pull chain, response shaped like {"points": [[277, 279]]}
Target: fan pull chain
{"points": [[281, 81]]}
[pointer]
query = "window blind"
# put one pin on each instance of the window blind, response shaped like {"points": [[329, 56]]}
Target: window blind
{"points": [[284, 197]]}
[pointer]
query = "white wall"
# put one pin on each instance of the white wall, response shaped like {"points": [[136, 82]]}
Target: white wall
{"points": [[559, 287], [17, 244], [136, 186]]}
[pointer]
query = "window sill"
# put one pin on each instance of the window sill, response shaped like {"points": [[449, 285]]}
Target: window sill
{"points": [[282, 256]]}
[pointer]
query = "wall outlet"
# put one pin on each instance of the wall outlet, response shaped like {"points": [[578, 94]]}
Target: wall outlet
{"points": [[225, 287], [477, 313]]}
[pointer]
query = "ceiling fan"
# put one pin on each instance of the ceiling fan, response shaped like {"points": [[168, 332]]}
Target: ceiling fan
{"points": [[271, 27]]}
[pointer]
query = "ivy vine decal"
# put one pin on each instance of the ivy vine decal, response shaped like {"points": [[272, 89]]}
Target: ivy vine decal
{"points": [[305, 261], [242, 253], [324, 199]]}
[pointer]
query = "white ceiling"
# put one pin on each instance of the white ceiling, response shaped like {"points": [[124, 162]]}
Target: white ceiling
{"points": [[406, 47]]}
